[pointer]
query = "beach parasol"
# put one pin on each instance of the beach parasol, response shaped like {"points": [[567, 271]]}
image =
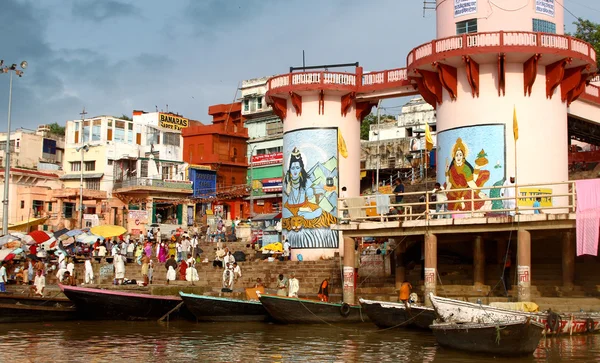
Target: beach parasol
{"points": [[74, 232], [5, 252], [68, 241], [17, 251], [7, 238], [88, 238], [9, 257], [60, 232], [19, 235], [108, 231], [50, 244], [39, 236]]}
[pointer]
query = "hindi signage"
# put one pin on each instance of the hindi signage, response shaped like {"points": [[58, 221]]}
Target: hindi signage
{"points": [[172, 122], [267, 159], [545, 7], [464, 7], [138, 215]]}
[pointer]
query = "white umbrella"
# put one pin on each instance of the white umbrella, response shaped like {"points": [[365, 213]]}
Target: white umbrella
{"points": [[88, 238], [49, 245], [5, 252], [7, 238]]}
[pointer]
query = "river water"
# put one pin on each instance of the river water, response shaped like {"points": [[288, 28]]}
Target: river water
{"points": [[182, 341]]}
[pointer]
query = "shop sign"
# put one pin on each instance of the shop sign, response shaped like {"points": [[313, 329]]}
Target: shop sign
{"points": [[172, 122], [531, 194], [138, 215], [267, 159], [545, 7], [272, 185], [464, 7]]}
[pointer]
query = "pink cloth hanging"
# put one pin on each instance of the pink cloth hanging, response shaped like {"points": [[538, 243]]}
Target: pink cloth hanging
{"points": [[588, 216]]}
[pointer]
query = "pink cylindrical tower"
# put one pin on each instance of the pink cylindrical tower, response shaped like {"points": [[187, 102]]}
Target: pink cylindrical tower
{"points": [[321, 148], [492, 60]]}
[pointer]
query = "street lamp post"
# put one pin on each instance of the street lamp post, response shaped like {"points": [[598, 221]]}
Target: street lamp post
{"points": [[252, 183], [83, 148], [8, 69], [378, 141]]}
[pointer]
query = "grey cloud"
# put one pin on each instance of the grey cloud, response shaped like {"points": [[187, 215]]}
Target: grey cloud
{"points": [[102, 10], [211, 16]]}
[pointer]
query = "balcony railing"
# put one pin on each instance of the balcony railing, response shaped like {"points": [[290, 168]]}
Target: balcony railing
{"points": [[154, 183]]}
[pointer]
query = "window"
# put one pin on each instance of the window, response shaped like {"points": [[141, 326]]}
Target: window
{"points": [[76, 128], [68, 209], [96, 130], [75, 165], [246, 105], [144, 169], [259, 103], [109, 134], [18, 143], [90, 165], [130, 132], [86, 131], [49, 206], [93, 184], [119, 131], [110, 162], [467, 26], [22, 204], [152, 136], [171, 138], [166, 172], [544, 26], [37, 207]]}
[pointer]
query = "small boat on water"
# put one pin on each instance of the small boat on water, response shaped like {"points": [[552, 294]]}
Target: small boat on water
{"points": [[450, 310], [112, 304], [291, 310], [387, 314], [211, 308], [20, 308], [511, 338]]}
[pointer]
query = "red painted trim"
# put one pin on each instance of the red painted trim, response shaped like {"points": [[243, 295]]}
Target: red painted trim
{"points": [[347, 100], [296, 102], [279, 106], [502, 74], [554, 75], [428, 96], [432, 82], [448, 79], [363, 109], [571, 81], [32, 172], [591, 94], [530, 73], [472, 69]]}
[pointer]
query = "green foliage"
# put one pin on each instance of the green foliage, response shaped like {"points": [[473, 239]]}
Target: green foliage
{"points": [[57, 129], [124, 117], [590, 32], [371, 119]]}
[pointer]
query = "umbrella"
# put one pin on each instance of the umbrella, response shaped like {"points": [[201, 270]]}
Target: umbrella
{"points": [[108, 231], [19, 235], [74, 232], [32, 257], [4, 253], [155, 225], [39, 236], [9, 257], [88, 238], [17, 251], [7, 238], [68, 241], [61, 232], [49, 244]]}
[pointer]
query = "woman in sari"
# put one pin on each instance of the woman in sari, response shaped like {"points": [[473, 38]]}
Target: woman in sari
{"points": [[162, 252], [183, 270], [172, 249], [460, 174], [148, 249]]}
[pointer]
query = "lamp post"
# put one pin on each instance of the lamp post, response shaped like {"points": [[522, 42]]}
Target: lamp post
{"points": [[83, 148], [378, 140], [8, 69], [252, 182]]}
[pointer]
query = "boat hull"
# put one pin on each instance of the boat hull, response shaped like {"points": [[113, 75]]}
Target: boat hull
{"points": [[507, 339], [395, 315], [450, 310], [34, 300], [288, 310], [209, 308], [109, 304], [19, 313]]}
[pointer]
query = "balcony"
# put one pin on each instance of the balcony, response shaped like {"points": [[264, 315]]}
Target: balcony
{"points": [[152, 184]]}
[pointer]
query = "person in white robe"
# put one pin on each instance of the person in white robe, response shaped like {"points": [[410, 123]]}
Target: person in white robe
{"points": [[89, 271], [191, 274], [293, 286], [228, 277], [39, 284], [119, 263], [509, 191], [71, 270], [62, 263], [171, 274], [60, 274]]}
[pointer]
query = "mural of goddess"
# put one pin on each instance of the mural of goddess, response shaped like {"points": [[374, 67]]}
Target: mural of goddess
{"points": [[460, 174]]}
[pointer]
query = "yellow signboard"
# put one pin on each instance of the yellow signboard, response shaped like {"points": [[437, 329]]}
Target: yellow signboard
{"points": [[385, 189], [532, 193], [172, 122]]}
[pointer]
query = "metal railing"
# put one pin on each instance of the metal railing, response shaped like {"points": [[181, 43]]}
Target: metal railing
{"points": [[155, 183], [465, 207]]}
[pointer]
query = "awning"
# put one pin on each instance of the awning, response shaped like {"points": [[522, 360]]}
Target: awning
{"points": [[264, 196], [266, 217], [78, 176], [32, 222]]}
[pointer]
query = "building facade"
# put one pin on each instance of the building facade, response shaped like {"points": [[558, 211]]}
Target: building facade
{"points": [[265, 148]]}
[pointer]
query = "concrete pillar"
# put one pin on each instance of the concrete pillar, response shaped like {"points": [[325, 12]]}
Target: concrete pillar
{"points": [[524, 265], [400, 267], [349, 287], [478, 262], [568, 260], [430, 266]]}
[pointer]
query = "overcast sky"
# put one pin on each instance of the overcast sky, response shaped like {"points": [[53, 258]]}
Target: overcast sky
{"points": [[113, 56]]}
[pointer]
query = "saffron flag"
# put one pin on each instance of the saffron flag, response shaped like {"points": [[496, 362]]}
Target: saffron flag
{"points": [[342, 145], [428, 139], [515, 124]]}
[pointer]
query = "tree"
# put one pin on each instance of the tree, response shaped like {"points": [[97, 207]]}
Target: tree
{"points": [[57, 129], [371, 119], [588, 31], [124, 117]]}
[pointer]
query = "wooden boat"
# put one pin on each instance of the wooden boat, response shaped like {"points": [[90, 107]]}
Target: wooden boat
{"points": [[211, 308], [291, 310], [34, 300], [111, 304], [512, 338], [450, 310], [22, 313], [387, 314]]}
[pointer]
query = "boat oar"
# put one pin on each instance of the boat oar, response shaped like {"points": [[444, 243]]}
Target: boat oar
{"points": [[172, 310]]}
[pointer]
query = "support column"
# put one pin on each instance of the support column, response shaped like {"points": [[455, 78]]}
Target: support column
{"points": [[524, 265], [430, 265], [348, 293], [400, 267], [478, 262], [568, 260]]}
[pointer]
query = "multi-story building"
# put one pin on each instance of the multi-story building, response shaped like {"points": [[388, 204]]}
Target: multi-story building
{"points": [[265, 148], [36, 150], [132, 169], [221, 147]]}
